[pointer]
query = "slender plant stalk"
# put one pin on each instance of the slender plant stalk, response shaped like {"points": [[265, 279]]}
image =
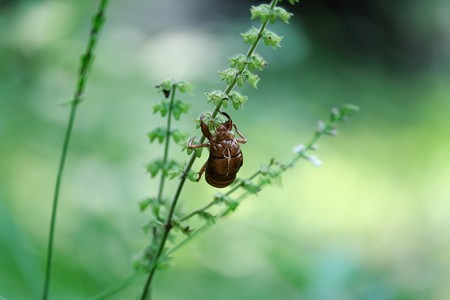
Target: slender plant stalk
{"points": [[147, 291], [213, 202], [167, 139], [86, 61], [168, 224], [117, 288]]}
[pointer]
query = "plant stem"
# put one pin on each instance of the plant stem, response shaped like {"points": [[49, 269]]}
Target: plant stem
{"points": [[166, 146], [86, 61], [147, 290], [106, 294], [213, 202], [168, 225], [55, 202], [250, 52]]}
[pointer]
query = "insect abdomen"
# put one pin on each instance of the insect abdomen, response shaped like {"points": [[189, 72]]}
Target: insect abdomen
{"points": [[221, 172]]}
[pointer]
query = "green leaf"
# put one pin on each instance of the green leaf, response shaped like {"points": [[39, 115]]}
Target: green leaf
{"points": [[335, 115], [145, 203], [251, 36], [178, 136], [268, 171], [158, 133], [272, 17], [172, 169], [250, 187], [283, 14], [252, 79], [198, 152], [262, 11], [347, 111], [237, 99], [184, 86], [215, 97], [192, 176], [180, 107], [271, 39], [165, 262], [225, 103], [238, 61], [229, 75], [154, 167], [209, 218], [185, 229], [256, 61], [232, 205], [162, 108], [165, 87], [264, 179], [156, 207], [240, 80], [221, 198]]}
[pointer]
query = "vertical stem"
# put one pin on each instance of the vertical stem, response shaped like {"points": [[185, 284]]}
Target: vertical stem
{"points": [[166, 146], [147, 289], [55, 201], [86, 61]]}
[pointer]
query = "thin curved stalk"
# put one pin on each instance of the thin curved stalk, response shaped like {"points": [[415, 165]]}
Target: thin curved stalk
{"points": [[213, 202], [118, 287], [86, 61]]}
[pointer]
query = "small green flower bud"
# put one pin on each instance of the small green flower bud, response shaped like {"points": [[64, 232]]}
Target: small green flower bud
{"points": [[283, 14], [262, 11], [271, 39], [216, 97], [256, 61], [251, 36], [184, 86], [237, 99], [253, 79], [229, 75]]}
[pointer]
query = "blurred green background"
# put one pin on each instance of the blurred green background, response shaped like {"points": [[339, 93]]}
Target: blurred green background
{"points": [[371, 223]]}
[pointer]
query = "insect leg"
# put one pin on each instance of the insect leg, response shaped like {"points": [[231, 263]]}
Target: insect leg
{"points": [[202, 170], [204, 128], [243, 140], [192, 146], [229, 123]]}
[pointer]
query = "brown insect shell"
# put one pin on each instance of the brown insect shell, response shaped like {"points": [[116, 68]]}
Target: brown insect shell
{"points": [[225, 158], [223, 144]]}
